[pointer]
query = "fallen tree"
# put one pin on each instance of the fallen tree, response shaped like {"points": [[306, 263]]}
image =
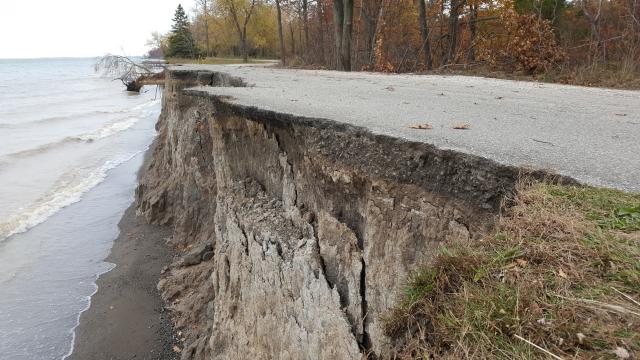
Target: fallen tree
{"points": [[133, 75]]}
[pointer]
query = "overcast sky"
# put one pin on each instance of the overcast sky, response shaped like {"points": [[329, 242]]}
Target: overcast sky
{"points": [[48, 28]]}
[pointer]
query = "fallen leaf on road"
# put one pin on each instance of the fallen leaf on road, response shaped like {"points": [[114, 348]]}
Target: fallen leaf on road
{"points": [[462, 126], [421, 126], [390, 88]]}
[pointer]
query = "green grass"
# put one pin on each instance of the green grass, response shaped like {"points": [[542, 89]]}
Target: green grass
{"points": [[562, 269]]}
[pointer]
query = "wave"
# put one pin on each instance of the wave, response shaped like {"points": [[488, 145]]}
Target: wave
{"points": [[67, 191], [107, 130], [146, 105], [54, 119], [61, 118]]}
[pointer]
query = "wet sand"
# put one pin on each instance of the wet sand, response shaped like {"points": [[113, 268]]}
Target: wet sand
{"points": [[127, 319]]}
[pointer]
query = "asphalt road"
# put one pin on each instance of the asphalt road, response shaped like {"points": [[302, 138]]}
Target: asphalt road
{"points": [[592, 135]]}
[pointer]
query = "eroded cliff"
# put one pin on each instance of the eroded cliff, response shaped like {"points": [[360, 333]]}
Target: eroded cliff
{"points": [[297, 233]]}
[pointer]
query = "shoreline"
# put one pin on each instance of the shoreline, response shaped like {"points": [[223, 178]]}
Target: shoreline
{"points": [[126, 318]]}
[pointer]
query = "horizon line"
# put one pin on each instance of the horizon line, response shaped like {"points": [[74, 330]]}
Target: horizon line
{"points": [[60, 57]]}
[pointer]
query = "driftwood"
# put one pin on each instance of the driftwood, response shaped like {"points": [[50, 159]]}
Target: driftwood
{"points": [[133, 75]]}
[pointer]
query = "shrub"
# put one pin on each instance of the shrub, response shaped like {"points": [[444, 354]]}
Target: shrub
{"points": [[528, 44]]}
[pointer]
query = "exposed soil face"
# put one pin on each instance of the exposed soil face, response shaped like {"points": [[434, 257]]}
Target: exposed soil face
{"points": [[297, 233]]}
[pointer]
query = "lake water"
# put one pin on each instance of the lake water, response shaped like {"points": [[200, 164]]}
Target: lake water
{"points": [[71, 143]]}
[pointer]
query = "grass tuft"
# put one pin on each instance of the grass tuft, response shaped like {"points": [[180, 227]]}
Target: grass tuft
{"points": [[560, 276]]}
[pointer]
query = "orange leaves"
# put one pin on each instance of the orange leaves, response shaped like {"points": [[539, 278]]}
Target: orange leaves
{"points": [[529, 44]]}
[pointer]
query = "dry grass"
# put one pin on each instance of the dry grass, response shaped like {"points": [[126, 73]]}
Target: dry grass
{"points": [[560, 274], [624, 75], [216, 61], [621, 75]]}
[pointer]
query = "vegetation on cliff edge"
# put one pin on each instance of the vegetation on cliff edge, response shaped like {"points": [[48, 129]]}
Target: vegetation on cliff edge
{"points": [[559, 278]]}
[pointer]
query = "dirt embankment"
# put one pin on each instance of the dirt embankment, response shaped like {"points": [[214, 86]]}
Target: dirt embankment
{"points": [[298, 234]]}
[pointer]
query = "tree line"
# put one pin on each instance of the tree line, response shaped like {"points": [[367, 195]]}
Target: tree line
{"points": [[527, 36]]}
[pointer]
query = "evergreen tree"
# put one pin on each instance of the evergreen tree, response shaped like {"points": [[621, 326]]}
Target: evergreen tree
{"points": [[181, 43]]}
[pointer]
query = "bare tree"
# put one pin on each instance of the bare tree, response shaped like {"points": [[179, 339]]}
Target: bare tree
{"points": [[343, 24], [592, 10], [205, 14], [132, 74], [246, 11], [157, 43]]}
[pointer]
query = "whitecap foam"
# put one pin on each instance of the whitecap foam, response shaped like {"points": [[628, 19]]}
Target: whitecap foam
{"points": [[109, 129], [67, 191], [145, 105]]}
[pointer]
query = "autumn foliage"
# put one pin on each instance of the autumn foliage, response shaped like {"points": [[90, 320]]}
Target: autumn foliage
{"points": [[577, 40], [527, 44]]}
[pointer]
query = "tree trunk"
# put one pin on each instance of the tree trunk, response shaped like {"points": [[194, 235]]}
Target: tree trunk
{"points": [[424, 31], [347, 31], [206, 28], [338, 20], [293, 40], [206, 36], [283, 51], [378, 35], [321, 30], [454, 14], [305, 24], [370, 13], [471, 56], [343, 23], [245, 51]]}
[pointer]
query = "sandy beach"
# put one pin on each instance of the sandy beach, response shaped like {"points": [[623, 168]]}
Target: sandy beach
{"points": [[127, 319]]}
